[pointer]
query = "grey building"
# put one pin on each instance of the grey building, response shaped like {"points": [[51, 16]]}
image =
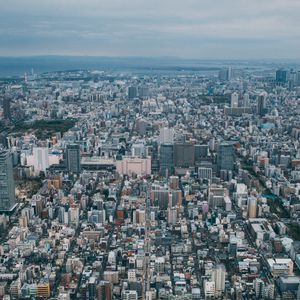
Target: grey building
{"points": [[226, 157], [132, 92], [184, 155], [261, 105], [73, 162], [7, 184], [6, 109]]}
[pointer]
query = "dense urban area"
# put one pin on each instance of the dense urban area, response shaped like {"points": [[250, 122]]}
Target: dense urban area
{"points": [[128, 185]]}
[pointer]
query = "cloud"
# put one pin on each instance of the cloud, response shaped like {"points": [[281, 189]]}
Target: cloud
{"points": [[190, 28]]}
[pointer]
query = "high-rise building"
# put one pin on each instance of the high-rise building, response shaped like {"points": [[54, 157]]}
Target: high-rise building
{"points": [[252, 207], [261, 104], [246, 100], [73, 162], [166, 135], [132, 92], [7, 184], [143, 92], [226, 157], [201, 151], [234, 100], [219, 278], [281, 76], [225, 74], [6, 109], [166, 160], [184, 155], [40, 159]]}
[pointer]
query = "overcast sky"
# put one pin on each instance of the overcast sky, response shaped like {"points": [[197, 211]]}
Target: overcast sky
{"points": [[183, 28]]}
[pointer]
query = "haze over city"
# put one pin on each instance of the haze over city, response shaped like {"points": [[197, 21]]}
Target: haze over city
{"points": [[231, 29]]}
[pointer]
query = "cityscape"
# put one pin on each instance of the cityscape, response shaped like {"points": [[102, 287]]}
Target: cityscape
{"points": [[149, 153]]}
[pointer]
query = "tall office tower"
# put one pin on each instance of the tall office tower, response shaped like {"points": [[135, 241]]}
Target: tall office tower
{"points": [[219, 278], [258, 286], [73, 158], [6, 109], [246, 100], [234, 100], [225, 157], [172, 215], [166, 160], [232, 248], [143, 92], [201, 151], [7, 184], [252, 207], [297, 79], [225, 74], [166, 135], [261, 104], [41, 159], [132, 92], [184, 155], [281, 76]]}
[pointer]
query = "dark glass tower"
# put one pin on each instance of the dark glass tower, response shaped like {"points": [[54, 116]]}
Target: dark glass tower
{"points": [[166, 159], [7, 184], [225, 159], [73, 162]]}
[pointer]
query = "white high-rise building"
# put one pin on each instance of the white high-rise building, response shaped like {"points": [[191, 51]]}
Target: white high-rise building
{"points": [[166, 135], [234, 100], [246, 100], [172, 215], [219, 278], [40, 159]]}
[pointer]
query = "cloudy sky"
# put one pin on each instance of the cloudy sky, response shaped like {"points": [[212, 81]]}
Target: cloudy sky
{"points": [[183, 28]]}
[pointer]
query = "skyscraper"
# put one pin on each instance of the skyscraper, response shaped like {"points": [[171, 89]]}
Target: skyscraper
{"points": [[73, 158], [246, 101], [261, 104], [166, 160], [7, 184], [184, 155], [281, 76], [225, 158], [6, 109], [132, 92], [219, 278], [234, 100], [166, 135], [225, 74], [41, 159]]}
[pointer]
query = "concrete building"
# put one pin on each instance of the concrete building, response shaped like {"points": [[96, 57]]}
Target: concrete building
{"points": [[134, 165]]}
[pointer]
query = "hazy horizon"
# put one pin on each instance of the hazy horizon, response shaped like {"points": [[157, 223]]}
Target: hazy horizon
{"points": [[207, 30]]}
